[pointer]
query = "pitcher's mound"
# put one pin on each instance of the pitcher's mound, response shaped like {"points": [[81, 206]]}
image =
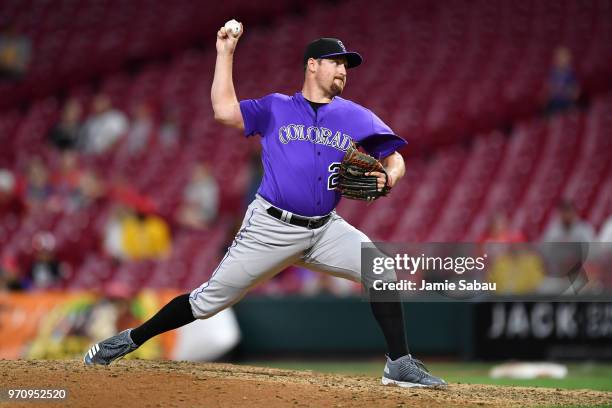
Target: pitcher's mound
{"points": [[136, 383]]}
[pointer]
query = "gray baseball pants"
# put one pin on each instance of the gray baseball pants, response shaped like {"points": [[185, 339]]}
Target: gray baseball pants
{"points": [[265, 245]]}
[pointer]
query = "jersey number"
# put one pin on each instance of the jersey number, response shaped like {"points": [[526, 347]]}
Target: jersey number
{"points": [[332, 180]]}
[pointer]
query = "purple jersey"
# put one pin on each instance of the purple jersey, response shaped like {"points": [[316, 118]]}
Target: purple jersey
{"points": [[302, 150]]}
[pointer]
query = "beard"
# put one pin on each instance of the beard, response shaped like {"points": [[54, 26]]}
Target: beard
{"points": [[336, 89]]}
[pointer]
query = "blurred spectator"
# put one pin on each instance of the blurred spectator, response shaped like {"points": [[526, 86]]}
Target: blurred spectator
{"points": [[122, 192], [134, 235], [113, 238], [12, 207], [169, 131], [499, 231], [140, 129], [567, 227], [145, 236], [75, 188], [571, 238], [520, 270], [9, 274], [65, 134], [15, 53], [46, 270], [562, 88], [104, 126], [494, 242], [38, 189], [200, 199], [66, 181], [91, 189]]}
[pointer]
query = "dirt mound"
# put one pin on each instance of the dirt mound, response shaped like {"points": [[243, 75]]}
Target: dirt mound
{"points": [[136, 383]]}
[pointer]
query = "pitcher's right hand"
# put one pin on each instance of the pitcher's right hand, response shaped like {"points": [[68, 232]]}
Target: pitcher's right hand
{"points": [[226, 42]]}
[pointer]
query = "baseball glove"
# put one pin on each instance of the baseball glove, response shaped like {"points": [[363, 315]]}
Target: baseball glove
{"points": [[352, 181]]}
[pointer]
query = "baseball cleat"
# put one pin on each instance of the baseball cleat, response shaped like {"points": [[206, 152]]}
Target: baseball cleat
{"points": [[111, 349], [409, 372]]}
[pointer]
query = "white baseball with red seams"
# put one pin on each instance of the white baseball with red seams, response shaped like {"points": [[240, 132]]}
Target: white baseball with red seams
{"points": [[233, 27]]}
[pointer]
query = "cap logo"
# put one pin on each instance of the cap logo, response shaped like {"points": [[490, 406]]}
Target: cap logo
{"points": [[342, 46]]}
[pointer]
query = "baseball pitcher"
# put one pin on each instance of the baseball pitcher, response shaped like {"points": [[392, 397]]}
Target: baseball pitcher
{"points": [[310, 161]]}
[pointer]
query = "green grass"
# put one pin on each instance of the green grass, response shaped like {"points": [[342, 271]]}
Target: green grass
{"points": [[586, 375]]}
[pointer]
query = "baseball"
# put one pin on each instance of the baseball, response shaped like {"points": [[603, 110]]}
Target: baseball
{"points": [[233, 27]]}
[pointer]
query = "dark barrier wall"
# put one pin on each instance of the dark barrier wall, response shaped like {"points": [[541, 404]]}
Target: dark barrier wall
{"points": [[510, 330], [325, 325]]}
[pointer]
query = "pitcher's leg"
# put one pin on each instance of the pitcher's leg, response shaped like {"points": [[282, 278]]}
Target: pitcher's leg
{"points": [[338, 252], [262, 248], [173, 315], [246, 262]]}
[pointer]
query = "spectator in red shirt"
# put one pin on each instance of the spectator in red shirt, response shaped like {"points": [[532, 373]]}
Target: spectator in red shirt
{"points": [[499, 231]]}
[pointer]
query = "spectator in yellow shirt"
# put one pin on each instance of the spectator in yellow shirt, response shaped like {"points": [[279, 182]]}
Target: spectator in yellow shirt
{"points": [[145, 236], [517, 271]]}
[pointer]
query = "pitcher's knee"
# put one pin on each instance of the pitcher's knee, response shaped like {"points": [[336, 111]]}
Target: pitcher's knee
{"points": [[203, 307], [208, 300], [370, 275]]}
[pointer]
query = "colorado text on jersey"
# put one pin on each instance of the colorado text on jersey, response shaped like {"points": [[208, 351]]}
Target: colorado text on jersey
{"points": [[313, 134]]}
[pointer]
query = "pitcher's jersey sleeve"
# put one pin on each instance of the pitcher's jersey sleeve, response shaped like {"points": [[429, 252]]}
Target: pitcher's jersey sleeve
{"points": [[381, 140], [256, 114]]}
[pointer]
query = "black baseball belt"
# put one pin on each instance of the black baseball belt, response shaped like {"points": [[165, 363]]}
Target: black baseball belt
{"points": [[293, 219]]}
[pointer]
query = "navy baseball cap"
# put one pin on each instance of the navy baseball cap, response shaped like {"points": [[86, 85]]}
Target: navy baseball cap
{"points": [[329, 48]]}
